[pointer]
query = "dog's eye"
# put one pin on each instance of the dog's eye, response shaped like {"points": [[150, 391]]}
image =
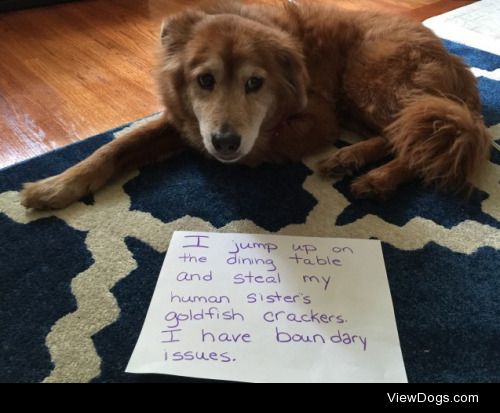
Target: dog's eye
{"points": [[253, 84], [206, 81]]}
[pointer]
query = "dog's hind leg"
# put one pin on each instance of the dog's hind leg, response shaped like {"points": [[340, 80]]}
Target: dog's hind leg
{"points": [[441, 140], [436, 139], [381, 181], [348, 160], [150, 142]]}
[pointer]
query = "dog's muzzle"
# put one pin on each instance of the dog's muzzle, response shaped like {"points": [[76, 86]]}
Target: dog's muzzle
{"points": [[227, 145]]}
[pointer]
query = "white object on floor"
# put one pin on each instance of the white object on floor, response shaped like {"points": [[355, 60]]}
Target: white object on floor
{"points": [[476, 25], [270, 308]]}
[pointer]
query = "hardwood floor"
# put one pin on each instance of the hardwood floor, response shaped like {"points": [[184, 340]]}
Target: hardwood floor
{"points": [[73, 70]]}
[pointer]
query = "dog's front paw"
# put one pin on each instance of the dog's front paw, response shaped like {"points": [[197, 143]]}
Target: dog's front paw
{"points": [[341, 163], [51, 193]]}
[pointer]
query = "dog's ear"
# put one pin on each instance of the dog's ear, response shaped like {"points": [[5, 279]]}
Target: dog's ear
{"points": [[176, 30], [295, 75]]}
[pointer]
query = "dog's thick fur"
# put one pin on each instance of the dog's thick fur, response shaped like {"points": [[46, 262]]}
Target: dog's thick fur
{"points": [[320, 67]]}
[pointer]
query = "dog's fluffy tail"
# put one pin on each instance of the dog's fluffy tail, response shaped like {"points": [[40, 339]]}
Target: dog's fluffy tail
{"points": [[441, 140]]}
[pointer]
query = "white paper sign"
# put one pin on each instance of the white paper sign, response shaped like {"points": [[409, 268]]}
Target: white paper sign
{"points": [[476, 25], [268, 308]]}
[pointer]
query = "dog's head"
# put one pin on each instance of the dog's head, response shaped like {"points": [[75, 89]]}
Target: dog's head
{"points": [[230, 76]]}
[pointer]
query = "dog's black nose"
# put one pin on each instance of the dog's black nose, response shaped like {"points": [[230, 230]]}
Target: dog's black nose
{"points": [[226, 143]]}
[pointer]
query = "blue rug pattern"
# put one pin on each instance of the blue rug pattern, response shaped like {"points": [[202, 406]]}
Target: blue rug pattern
{"points": [[75, 284]]}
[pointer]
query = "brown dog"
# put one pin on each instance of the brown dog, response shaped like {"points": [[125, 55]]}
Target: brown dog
{"points": [[271, 83]]}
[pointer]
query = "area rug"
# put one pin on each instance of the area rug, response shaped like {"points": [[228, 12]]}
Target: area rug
{"points": [[75, 284]]}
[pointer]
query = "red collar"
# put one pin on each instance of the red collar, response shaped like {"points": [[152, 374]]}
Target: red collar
{"points": [[284, 122]]}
